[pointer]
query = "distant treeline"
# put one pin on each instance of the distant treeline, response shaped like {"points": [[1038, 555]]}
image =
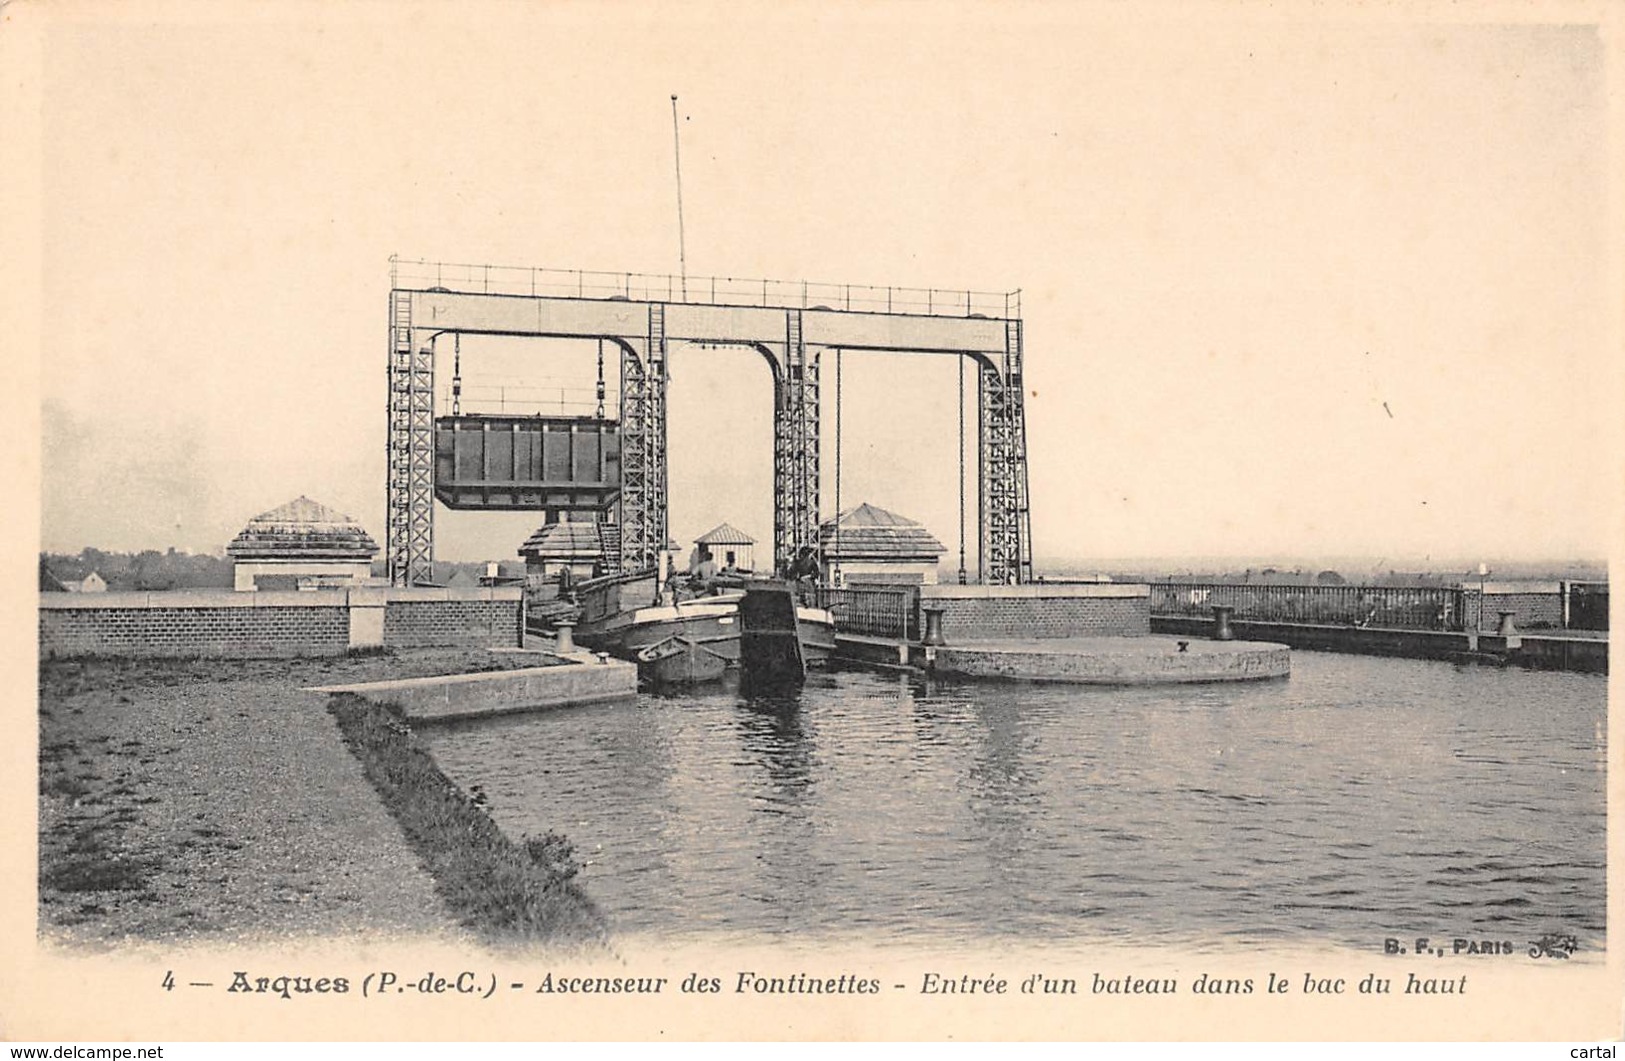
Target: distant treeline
{"points": [[1304, 576], [152, 570], [146, 570]]}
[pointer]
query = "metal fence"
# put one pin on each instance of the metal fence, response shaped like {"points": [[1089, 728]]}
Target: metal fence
{"points": [[1418, 608], [873, 611], [421, 275]]}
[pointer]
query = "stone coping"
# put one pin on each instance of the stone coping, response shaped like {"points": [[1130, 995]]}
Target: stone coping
{"points": [[1115, 661], [1138, 645], [361, 596], [500, 692], [435, 681], [1512, 588], [458, 593], [1035, 590]]}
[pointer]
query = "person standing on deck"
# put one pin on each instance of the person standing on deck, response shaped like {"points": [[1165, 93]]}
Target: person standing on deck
{"points": [[804, 571], [705, 571]]}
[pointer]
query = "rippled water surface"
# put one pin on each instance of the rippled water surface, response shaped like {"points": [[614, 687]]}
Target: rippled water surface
{"points": [[1359, 799]]}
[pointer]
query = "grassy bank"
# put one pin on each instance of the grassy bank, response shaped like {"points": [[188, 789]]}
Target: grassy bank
{"points": [[504, 892], [188, 800]]}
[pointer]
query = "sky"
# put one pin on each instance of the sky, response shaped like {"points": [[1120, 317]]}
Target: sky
{"points": [[1328, 288]]}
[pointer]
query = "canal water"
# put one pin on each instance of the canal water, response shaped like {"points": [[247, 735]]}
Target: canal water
{"points": [[1360, 799]]}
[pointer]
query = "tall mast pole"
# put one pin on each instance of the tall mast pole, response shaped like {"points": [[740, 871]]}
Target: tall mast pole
{"points": [[677, 158]]}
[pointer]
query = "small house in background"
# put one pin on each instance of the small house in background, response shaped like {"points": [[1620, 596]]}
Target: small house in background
{"points": [[728, 546], [451, 574], [301, 545], [501, 573], [870, 546], [91, 583]]}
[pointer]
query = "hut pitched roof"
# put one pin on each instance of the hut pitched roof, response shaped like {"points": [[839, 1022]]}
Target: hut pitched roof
{"points": [[302, 529], [564, 541], [870, 533], [725, 534]]}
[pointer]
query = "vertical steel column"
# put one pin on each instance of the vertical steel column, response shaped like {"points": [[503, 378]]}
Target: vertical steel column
{"points": [[795, 447], [420, 563], [643, 448], [982, 477], [989, 414], [1016, 402], [410, 529], [634, 461], [655, 514], [1006, 551], [397, 530]]}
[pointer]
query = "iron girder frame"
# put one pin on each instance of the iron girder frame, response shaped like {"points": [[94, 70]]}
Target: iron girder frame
{"points": [[411, 447], [642, 503], [795, 446], [1006, 534], [1004, 517]]}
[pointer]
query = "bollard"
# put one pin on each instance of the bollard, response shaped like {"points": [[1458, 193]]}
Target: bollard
{"points": [[1511, 640], [933, 626], [566, 642], [1221, 622]]}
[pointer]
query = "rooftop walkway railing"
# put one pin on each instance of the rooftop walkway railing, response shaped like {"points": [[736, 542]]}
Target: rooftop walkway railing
{"points": [[423, 275]]}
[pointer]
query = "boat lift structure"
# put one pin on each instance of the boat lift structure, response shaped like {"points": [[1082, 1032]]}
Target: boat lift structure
{"points": [[617, 467]]}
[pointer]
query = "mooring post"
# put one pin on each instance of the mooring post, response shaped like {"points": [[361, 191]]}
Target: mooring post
{"points": [[1221, 622], [933, 625], [566, 639], [1511, 639]]}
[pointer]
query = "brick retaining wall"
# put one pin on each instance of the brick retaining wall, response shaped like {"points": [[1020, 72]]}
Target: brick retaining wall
{"points": [[1040, 611], [419, 624], [253, 625], [195, 631], [1531, 609]]}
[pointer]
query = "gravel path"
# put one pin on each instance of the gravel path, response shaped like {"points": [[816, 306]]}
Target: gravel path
{"points": [[213, 801]]}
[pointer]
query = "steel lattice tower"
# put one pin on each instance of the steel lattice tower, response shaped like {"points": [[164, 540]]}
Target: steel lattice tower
{"points": [[411, 447], [795, 446], [643, 447], [1005, 519]]}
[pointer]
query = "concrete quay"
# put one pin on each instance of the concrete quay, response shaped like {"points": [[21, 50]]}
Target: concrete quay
{"points": [[500, 692], [1139, 660], [1113, 660]]}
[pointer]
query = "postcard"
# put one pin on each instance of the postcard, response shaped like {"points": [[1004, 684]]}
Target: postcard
{"points": [[812, 522]]}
